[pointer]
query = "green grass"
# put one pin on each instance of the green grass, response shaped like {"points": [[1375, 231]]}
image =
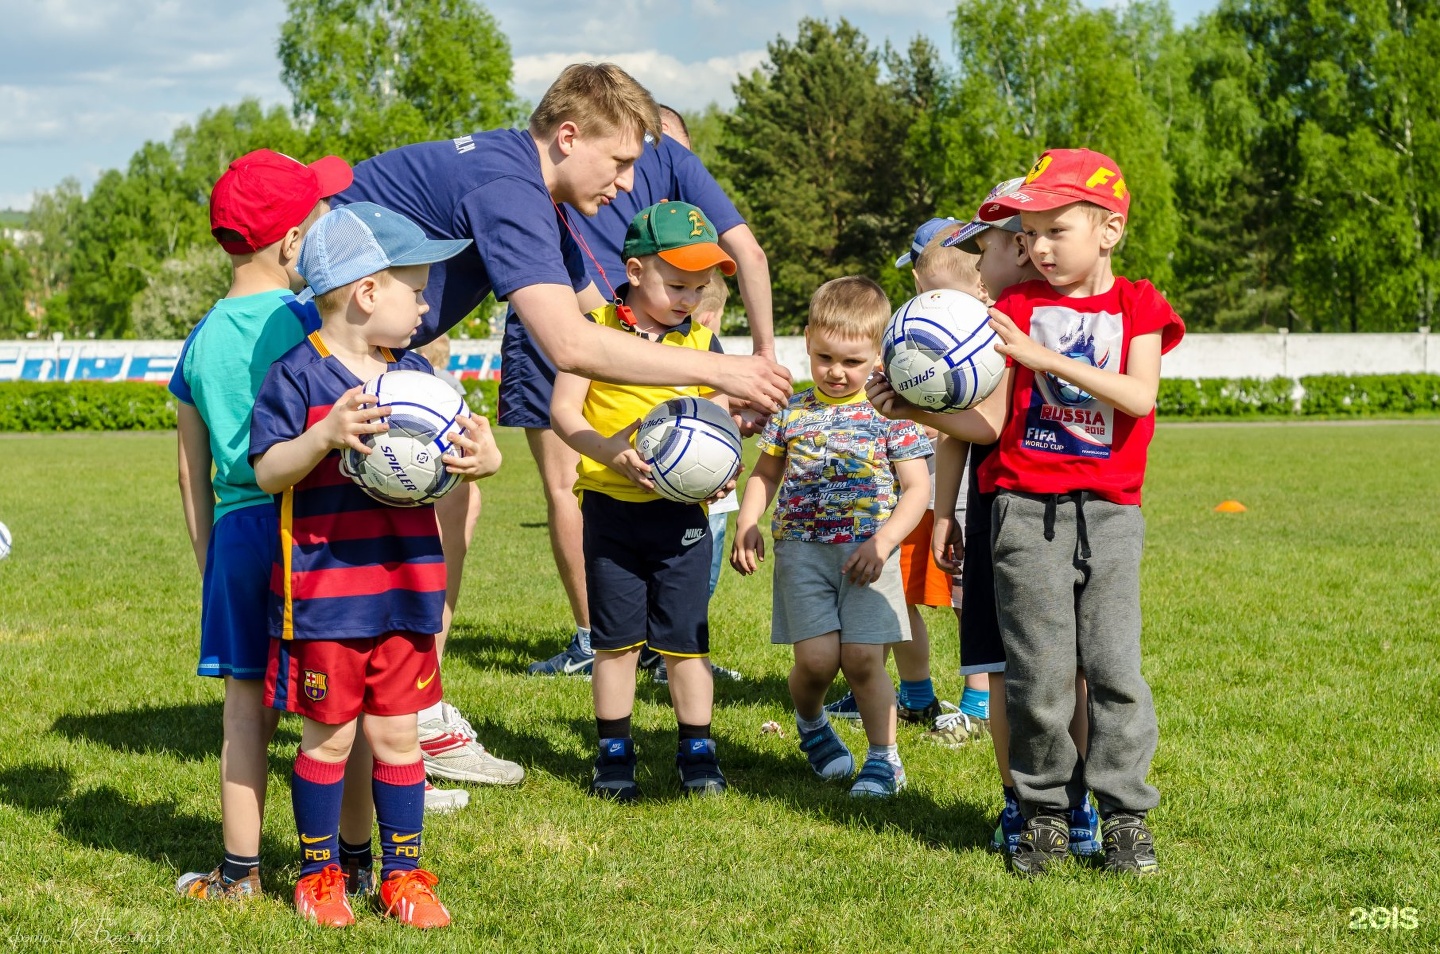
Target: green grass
{"points": [[1292, 652]]}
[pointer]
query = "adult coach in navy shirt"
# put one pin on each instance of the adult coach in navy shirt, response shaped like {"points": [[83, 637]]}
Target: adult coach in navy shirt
{"points": [[667, 170], [503, 189]]}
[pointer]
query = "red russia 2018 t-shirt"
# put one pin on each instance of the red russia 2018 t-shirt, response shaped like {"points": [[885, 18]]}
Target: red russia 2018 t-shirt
{"points": [[1057, 438]]}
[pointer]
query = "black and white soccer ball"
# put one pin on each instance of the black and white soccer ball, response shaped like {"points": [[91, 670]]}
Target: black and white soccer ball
{"points": [[692, 446], [404, 468], [939, 351]]}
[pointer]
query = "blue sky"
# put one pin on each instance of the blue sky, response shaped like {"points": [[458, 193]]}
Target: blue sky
{"points": [[83, 83]]}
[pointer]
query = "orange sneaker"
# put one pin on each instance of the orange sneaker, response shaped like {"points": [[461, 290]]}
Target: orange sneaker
{"points": [[409, 897], [320, 898]]}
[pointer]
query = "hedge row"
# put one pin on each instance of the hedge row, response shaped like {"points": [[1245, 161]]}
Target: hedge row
{"points": [[140, 406], [125, 405]]}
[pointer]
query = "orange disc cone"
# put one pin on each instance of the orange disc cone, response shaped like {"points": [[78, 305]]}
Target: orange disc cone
{"points": [[1230, 506]]}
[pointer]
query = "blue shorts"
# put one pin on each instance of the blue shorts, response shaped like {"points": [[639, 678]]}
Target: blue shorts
{"points": [[647, 570], [527, 378], [235, 599]]}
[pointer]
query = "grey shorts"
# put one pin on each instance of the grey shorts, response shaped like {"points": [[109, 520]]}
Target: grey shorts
{"points": [[812, 597]]}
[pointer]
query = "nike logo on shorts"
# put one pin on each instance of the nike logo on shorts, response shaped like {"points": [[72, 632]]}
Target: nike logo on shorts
{"points": [[692, 537], [422, 683]]}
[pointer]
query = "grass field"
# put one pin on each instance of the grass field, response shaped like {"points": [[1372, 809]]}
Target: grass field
{"points": [[1292, 651]]}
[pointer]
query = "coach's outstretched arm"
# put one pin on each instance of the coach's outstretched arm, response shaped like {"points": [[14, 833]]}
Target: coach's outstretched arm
{"points": [[551, 316], [752, 273]]}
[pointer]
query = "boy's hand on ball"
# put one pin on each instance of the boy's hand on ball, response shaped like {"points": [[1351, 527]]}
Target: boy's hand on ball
{"points": [[886, 401], [480, 455], [866, 563], [351, 417], [748, 551], [623, 457], [1016, 344]]}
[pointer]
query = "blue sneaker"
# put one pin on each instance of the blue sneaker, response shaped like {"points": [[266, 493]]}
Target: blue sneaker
{"points": [[574, 661], [614, 775], [844, 708], [1084, 830], [829, 758], [878, 778], [699, 769], [1008, 828]]}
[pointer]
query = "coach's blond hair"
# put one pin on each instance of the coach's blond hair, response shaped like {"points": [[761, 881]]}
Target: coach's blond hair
{"points": [[600, 99], [852, 307]]}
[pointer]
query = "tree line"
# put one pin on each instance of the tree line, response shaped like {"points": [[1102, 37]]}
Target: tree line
{"points": [[1282, 154]]}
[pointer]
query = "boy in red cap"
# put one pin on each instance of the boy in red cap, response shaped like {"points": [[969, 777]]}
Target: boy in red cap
{"points": [[260, 208], [1084, 351]]}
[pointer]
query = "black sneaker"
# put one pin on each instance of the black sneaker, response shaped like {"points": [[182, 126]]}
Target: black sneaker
{"points": [[649, 658], [1044, 841], [925, 716], [615, 771], [699, 769], [1129, 848]]}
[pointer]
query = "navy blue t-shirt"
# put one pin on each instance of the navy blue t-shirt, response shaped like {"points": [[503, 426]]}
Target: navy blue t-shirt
{"points": [[664, 171], [486, 187]]}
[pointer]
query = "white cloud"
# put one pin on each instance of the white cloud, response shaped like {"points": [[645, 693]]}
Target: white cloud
{"points": [[682, 85]]}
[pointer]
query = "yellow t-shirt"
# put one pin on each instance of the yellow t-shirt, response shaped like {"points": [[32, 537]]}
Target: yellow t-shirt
{"points": [[613, 407]]}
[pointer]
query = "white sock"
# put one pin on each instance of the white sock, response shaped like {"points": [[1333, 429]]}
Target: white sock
{"points": [[890, 753], [810, 725], [432, 714]]}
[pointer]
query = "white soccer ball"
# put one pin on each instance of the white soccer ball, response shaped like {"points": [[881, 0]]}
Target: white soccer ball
{"points": [[939, 352], [4, 541], [404, 468], [692, 446]]}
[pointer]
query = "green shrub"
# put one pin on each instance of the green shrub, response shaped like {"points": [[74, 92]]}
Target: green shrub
{"points": [[85, 406], [1368, 394], [1224, 397], [483, 396]]}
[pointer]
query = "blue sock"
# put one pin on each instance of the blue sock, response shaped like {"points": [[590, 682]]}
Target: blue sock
{"points": [[400, 813], [315, 791], [916, 695], [975, 703]]}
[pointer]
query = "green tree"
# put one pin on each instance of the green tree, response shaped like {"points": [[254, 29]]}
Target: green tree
{"points": [[369, 75], [53, 217], [817, 141], [16, 287], [180, 291]]}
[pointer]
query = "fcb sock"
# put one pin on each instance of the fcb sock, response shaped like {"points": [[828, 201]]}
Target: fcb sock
{"points": [[694, 731], [810, 725], [975, 703], [582, 639], [235, 867], [890, 753], [613, 728], [917, 694], [315, 791], [361, 855], [400, 814]]}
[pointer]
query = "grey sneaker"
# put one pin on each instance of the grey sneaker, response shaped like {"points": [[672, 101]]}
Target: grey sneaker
{"points": [[1129, 847], [451, 751], [212, 886], [1044, 841], [878, 778]]}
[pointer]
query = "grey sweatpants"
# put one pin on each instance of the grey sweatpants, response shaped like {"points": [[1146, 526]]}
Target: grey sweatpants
{"points": [[1070, 601]]}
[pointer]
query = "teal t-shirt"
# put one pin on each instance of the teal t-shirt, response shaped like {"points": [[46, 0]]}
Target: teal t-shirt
{"points": [[219, 372]]}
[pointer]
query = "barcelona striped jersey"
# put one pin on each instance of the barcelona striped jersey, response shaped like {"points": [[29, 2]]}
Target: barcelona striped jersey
{"points": [[347, 566]]}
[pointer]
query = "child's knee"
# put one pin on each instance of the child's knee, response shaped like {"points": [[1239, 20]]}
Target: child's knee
{"points": [[862, 661]]}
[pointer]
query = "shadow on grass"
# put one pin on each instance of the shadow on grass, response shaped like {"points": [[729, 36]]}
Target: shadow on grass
{"points": [[106, 819], [190, 732], [756, 769], [511, 651]]}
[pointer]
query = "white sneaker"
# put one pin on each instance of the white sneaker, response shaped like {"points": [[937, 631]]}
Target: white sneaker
{"points": [[451, 751], [445, 799]]}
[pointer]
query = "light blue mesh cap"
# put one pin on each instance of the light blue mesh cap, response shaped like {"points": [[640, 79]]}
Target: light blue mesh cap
{"points": [[965, 238], [354, 241]]}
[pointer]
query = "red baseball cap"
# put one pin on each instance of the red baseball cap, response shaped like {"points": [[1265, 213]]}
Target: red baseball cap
{"points": [[1060, 177], [265, 194]]}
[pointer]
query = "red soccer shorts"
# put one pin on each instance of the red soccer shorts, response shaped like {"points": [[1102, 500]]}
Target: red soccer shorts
{"points": [[333, 680]]}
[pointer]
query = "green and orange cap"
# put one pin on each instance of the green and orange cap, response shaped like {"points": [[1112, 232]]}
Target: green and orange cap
{"points": [[680, 234]]}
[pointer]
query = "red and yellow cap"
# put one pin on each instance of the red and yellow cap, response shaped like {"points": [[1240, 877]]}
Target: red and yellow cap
{"points": [[1060, 177]]}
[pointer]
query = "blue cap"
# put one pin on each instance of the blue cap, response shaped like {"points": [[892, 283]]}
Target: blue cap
{"points": [[923, 235], [351, 242], [965, 238]]}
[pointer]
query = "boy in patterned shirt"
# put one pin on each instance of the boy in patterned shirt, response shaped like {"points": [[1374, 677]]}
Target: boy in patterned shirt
{"points": [[837, 526]]}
